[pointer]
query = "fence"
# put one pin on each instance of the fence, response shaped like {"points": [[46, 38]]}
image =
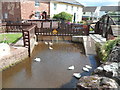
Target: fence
{"points": [[28, 33], [27, 29], [59, 28], [15, 27], [45, 27]]}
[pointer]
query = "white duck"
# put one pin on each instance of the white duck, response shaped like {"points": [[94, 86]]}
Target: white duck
{"points": [[50, 43], [50, 48], [71, 67], [77, 75], [85, 69], [87, 66], [37, 59], [46, 43]]}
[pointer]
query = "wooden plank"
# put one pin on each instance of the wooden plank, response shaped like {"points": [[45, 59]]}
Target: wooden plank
{"points": [[115, 30]]}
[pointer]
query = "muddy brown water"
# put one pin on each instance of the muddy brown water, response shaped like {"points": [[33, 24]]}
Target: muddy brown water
{"points": [[52, 71]]}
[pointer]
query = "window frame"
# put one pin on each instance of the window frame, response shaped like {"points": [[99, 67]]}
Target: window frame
{"points": [[37, 14], [66, 7], [37, 3], [55, 6], [71, 8]]}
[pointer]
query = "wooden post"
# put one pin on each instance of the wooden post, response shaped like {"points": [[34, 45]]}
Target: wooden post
{"points": [[50, 26], [97, 29], [107, 27], [87, 31]]}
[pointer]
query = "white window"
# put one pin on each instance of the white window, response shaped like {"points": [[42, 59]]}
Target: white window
{"points": [[66, 7], [71, 8], [77, 8], [55, 6], [37, 3], [37, 14], [5, 15]]}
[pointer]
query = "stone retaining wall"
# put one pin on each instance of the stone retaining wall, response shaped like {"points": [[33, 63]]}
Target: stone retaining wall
{"points": [[15, 56]]}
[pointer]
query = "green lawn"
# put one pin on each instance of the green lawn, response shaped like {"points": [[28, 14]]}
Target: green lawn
{"points": [[10, 38]]}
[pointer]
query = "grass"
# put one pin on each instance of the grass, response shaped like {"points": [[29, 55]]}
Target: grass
{"points": [[10, 38]]}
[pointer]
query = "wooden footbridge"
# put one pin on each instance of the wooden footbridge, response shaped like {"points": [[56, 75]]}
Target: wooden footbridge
{"points": [[37, 28]]}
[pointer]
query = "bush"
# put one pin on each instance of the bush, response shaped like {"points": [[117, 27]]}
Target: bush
{"points": [[83, 22], [63, 16], [106, 49]]}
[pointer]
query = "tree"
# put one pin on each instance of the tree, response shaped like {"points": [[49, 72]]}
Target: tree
{"points": [[63, 16]]}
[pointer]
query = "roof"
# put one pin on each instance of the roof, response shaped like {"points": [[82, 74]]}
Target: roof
{"points": [[74, 2], [110, 8], [89, 9]]}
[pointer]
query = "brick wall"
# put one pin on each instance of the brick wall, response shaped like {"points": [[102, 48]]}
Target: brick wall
{"points": [[16, 56], [22, 10], [28, 8], [11, 11]]}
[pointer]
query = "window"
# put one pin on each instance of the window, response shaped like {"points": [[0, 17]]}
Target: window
{"points": [[55, 6], [5, 15], [77, 8], [72, 8], [66, 7], [37, 3], [37, 14]]}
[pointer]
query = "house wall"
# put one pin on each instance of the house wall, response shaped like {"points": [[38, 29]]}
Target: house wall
{"points": [[28, 8], [0, 12], [11, 11], [15, 11], [61, 7]]}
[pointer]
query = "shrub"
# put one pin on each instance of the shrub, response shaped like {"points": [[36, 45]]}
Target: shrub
{"points": [[63, 16], [83, 22], [107, 48]]}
